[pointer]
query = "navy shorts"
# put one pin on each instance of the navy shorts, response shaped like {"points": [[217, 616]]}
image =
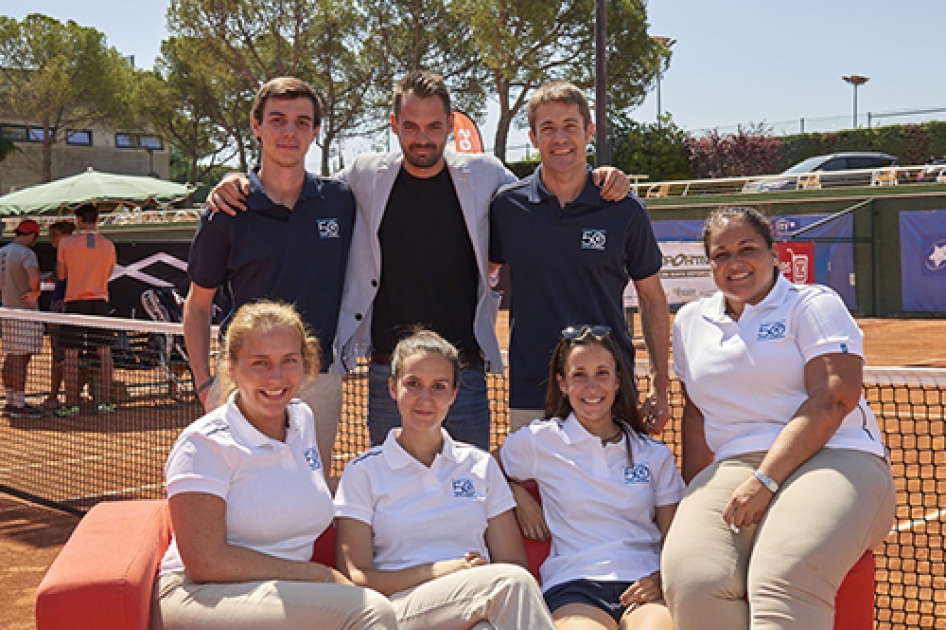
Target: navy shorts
{"points": [[600, 594], [79, 337]]}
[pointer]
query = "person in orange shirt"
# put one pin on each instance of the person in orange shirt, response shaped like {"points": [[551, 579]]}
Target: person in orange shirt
{"points": [[86, 259]]}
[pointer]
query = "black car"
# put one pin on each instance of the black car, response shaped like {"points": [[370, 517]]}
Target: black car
{"points": [[822, 171]]}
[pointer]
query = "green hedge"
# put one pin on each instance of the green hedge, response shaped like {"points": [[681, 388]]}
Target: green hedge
{"points": [[639, 148], [912, 144]]}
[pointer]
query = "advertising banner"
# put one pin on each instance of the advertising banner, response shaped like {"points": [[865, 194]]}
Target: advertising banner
{"points": [[685, 274], [466, 135], [796, 260], [923, 260]]}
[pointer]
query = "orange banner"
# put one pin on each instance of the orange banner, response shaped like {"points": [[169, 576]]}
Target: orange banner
{"points": [[466, 135]]}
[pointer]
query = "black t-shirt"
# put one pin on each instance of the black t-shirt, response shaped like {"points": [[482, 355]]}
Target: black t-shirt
{"points": [[428, 267]]}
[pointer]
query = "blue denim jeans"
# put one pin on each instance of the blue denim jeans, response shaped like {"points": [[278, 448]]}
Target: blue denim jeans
{"points": [[468, 420]]}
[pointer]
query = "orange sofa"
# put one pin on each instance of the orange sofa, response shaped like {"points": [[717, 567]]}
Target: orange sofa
{"points": [[102, 578]]}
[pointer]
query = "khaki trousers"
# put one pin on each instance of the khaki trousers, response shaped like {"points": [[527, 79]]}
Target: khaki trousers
{"points": [[785, 572], [180, 603], [500, 596]]}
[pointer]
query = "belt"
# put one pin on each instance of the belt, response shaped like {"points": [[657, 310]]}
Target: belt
{"points": [[468, 359]]}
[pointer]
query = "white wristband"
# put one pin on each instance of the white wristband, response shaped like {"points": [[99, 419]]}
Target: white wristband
{"points": [[766, 481]]}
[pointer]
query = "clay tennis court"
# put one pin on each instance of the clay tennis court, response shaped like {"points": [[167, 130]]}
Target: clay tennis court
{"points": [[31, 535]]}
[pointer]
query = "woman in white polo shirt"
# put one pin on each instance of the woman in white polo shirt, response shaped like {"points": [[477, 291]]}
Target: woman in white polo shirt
{"points": [[800, 487], [248, 498], [428, 521], [609, 492]]}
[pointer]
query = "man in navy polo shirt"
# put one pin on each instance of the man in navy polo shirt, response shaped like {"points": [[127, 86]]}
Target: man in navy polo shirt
{"points": [[570, 256], [292, 246]]}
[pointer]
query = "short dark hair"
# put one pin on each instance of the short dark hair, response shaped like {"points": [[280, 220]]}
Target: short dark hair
{"points": [[63, 226], [87, 213], [723, 216], [560, 92], [286, 87], [423, 84]]}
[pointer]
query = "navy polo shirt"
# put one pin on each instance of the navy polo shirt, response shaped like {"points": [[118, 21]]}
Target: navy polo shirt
{"points": [[568, 266], [269, 251]]}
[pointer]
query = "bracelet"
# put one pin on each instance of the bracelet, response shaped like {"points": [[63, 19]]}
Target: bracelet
{"points": [[766, 481], [200, 390]]}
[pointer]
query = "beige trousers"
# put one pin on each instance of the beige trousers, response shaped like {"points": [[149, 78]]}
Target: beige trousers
{"points": [[500, 596], [785, 572], [182, 604]]}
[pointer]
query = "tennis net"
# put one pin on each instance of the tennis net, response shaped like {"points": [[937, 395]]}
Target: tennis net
{"points": [[75, 461]]}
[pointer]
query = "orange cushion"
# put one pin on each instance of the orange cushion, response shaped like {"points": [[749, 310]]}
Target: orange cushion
{"points": [[103, 576]]}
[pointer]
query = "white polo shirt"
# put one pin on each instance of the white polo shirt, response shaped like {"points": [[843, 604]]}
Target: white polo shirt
{"points": [[277, 499], [419, 514], [600, 510], [748, 377]]}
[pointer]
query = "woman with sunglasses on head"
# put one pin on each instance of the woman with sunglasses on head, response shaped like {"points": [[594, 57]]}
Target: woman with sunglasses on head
{"points": [[609, 491], [248, 498], [800, 487], [428, 521]]}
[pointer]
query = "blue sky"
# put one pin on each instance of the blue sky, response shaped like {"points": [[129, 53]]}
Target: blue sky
{"points": [[735, 61]]}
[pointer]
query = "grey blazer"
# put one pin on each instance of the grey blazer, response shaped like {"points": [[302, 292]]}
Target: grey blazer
{"points": [[371, 176]]}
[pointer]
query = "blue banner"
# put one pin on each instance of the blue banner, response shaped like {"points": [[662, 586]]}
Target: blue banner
{"points": [[923, 260]]}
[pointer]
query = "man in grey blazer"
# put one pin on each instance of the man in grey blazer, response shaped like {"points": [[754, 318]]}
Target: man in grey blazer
{"points": [[419, 255]]}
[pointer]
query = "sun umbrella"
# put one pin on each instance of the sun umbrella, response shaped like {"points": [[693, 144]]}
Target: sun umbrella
{"points": [[91, 187]]}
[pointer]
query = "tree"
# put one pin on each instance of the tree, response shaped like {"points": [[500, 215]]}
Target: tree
{"points": [[525, 43], [180, 100], [319, 41], [657, 150], [428, 35], [59, 77]]}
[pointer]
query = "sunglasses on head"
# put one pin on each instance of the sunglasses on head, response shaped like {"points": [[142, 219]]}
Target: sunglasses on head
{"points": [[574, 332]]}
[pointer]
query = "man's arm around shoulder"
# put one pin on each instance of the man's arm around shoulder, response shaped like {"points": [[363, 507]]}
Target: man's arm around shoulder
{"points": [[197, 319]]}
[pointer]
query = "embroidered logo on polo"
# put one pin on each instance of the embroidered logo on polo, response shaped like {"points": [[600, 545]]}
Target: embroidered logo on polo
{"points": [[593, 238], [312, 458], [328, 228], [771, 331], [464, 489], [638, 473]]}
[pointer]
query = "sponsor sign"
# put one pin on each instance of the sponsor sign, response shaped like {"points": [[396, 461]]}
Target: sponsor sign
{"points": [[685, 274]]}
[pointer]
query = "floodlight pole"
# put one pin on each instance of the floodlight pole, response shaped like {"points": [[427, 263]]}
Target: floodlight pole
{"points": [[602, 148], [666, 42], [856, 80]]}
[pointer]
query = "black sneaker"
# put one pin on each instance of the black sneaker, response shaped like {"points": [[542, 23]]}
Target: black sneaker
{"points": [[24, 412]]}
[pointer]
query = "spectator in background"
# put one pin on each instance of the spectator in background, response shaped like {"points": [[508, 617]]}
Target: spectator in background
{"points": [[22, 338], [85, 261], [57, 231]]}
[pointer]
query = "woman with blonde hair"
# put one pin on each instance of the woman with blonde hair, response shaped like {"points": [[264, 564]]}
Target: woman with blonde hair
{"points": [[248, 498]]}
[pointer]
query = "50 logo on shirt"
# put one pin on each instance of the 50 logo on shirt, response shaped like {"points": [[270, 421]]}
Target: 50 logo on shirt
{"points": [[312, 458], [593, 238], [770, 331], [638, 473], [464, 489]]}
